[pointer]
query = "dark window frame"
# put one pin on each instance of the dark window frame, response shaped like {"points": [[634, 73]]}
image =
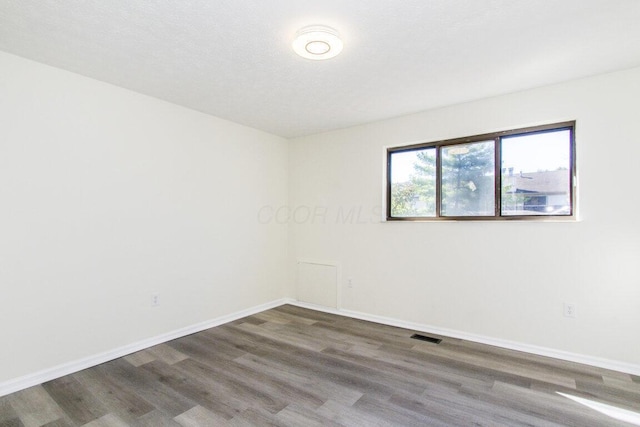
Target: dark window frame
{"points": [[496, 137]]}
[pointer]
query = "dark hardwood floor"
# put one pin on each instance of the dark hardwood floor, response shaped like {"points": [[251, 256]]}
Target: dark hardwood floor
{"points": [[291, 366]]}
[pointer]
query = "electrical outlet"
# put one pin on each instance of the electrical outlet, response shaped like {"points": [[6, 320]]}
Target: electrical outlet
{"points": [[570, 310], [350, 283], [155, 300]]}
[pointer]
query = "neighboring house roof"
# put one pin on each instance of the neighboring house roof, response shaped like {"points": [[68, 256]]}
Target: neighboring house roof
{"points": [[547, 182]]}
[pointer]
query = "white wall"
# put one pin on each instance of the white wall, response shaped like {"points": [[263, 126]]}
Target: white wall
{"points": [[503, 280], [107, 196]]}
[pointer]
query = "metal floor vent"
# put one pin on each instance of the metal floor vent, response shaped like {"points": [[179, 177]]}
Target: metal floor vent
{"points": [[426, 338]]}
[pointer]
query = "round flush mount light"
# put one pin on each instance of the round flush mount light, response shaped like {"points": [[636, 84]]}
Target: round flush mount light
{"points": [[317, 42]]}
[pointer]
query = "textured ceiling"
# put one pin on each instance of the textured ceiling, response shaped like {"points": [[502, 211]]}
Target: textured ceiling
{"points": [[232, 58]]}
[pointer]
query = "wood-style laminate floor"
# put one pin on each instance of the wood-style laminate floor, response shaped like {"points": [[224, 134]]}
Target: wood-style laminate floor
{"points": [[291, 366]]}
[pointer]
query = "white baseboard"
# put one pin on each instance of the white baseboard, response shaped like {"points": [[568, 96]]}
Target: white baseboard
{"points": [[40, 377], [613, 365], [49, 374]]}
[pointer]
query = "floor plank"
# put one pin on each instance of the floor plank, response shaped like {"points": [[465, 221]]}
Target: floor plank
{"points": [[34, 406]]}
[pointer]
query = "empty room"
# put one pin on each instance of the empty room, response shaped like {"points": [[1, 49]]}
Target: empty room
{"points": [[336, 213]]}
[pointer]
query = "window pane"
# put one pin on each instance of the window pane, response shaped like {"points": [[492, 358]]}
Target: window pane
{"points": [[413, 183], [536, 171], [468, 179]]}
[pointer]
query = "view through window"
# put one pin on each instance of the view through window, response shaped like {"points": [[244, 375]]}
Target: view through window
{"points": [[522, 173]]}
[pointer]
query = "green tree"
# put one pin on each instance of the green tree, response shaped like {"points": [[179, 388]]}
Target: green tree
{"points": [[417, 197], [467, 179], [467, 182]]}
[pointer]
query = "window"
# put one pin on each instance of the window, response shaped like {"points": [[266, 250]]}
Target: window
{"points": [[517, 174]]}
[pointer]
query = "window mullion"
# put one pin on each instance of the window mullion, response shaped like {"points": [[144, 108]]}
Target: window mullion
{"points": [[438, 181], [498, 176]]}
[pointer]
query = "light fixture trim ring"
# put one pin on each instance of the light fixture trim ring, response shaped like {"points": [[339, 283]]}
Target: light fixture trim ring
{"points": [[317, 42]]}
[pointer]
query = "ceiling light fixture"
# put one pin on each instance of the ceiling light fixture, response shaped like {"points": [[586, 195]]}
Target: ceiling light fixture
{"points": [[317, 42]]}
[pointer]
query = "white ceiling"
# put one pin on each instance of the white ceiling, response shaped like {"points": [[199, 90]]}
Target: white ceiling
{"points": [[232, 58]]}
